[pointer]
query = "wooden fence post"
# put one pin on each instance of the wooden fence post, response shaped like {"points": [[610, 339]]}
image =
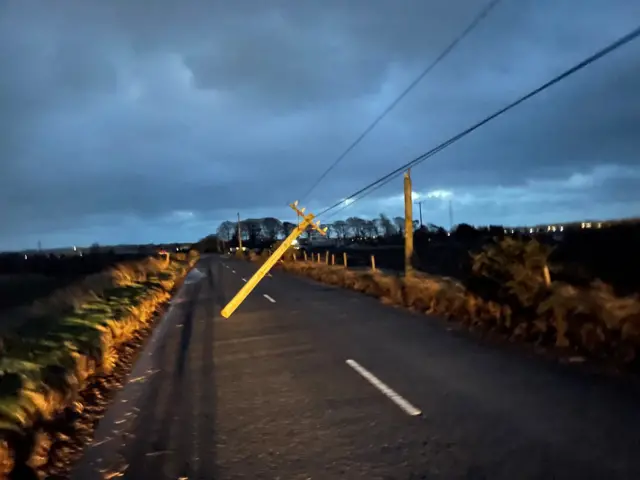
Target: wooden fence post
{"points": [[547, 276]]}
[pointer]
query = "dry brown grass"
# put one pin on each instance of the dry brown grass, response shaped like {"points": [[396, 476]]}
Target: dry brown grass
{"points": [[590, 321]]}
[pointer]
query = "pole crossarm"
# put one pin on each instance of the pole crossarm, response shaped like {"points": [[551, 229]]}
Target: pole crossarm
{"points": [[310, 217]]}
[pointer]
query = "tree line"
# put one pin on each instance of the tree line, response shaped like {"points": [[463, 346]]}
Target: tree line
{"points": [[270, 229]]}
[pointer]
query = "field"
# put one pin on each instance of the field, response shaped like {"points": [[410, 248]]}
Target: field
{"points": [[62, 323], [578, 258], [23, 281], [20, 289]]}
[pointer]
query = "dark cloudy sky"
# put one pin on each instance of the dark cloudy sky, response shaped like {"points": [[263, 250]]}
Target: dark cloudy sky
{"points": [[131, 121]]}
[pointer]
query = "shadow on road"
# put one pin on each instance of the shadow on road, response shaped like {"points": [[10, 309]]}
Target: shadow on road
{"points": [[174, 432], [187, 329]]}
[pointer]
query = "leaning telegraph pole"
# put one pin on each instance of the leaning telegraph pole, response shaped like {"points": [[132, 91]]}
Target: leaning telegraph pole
{"points": [[239, 233], [408, 224], [307, 221]]}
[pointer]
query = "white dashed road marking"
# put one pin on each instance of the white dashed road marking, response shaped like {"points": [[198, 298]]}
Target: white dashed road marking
{"points": [[386, 390], [269, 298], [244, 279], [233, 271]]}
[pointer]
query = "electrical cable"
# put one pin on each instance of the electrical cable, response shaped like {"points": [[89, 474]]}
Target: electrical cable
{"points": [[388, 177], [483, 13]]}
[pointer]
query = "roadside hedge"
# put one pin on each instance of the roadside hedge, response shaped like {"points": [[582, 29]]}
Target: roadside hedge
{"points": [[46, 359], [511, 292]]}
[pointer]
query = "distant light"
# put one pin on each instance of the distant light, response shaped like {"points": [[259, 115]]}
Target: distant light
{"points": [[75, 248], [561, 228], [25, 257], [531, 230]]}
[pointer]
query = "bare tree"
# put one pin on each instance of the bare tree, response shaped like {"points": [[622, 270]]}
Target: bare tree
{"points": [[226, 230], [387, 226], [253, 227], [341, 228], [287, 228], [357, 226], [399, 222], [272, 227], [369, 228]]}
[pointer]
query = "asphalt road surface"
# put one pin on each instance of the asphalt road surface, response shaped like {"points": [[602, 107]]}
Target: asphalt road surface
{"points": [[306, 381]]}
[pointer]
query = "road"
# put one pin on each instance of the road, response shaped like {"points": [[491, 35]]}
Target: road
{"points": [[307, 381]]}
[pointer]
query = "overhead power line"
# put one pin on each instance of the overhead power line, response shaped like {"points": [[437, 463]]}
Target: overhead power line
{"points": [[350, 200], [406, 91], [398, 171]]}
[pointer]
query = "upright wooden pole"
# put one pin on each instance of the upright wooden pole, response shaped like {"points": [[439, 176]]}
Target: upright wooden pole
{"points": [[239, 233], [408, 224]]}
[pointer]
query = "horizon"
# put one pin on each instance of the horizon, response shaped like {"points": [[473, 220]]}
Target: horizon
{"points": [[214, 232]]}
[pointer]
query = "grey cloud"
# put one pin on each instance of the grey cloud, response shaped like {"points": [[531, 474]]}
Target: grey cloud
{"points": [[114, 110]]}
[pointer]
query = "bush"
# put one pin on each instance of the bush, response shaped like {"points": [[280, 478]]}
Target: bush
{"points": [[511, 271]]}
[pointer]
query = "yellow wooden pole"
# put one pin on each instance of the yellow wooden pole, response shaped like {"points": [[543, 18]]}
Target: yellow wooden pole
{"points": [[408, 224], [248, 287]]}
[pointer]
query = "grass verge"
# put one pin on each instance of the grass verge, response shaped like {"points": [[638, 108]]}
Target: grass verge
{"points": [[584, 322], [66, 339]]}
